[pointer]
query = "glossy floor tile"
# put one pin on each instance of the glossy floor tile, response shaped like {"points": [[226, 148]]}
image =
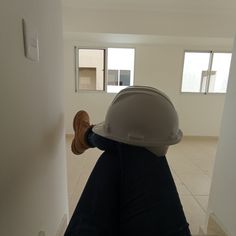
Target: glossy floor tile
{"points": [[191, 163]]}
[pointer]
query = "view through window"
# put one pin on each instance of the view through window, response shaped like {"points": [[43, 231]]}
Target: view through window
{"points": [[205, 72], [110, 69]]}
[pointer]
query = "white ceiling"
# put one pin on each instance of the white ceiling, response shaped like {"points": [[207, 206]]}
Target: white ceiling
{"points": [[181, 18]]}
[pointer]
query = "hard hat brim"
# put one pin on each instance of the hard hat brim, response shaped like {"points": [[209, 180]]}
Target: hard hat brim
{"points": [[100, 130]]}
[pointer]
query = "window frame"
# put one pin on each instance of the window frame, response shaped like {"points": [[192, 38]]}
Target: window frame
{"points": [[211, 52], [105, 77]]}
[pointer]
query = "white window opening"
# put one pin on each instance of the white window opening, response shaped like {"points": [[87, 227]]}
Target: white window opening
{"points": [[120, 67], [108, 70], [205, 72]]}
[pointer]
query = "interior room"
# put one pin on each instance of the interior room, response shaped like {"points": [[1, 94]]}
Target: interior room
{"points": [[43, 85], [160, 33]]}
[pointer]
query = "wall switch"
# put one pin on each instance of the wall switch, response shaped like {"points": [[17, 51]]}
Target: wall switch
{"points": [[31, 43]]}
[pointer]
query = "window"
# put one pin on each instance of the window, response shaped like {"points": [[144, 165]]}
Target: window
{"points": [[91, 69], [120, 67], [110, 69], [205, 72], [119, 77]]}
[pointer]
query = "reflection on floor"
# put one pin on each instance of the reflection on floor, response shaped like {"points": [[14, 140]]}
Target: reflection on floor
{"points": [[191, 163]]}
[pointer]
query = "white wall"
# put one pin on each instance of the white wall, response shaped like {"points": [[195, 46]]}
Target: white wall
{"points": [[159, 65], [222, 200], [160, 33], [32, 155], [206, 19]]}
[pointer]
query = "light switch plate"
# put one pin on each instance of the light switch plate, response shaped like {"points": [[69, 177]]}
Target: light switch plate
{"points": [[31, 43]]}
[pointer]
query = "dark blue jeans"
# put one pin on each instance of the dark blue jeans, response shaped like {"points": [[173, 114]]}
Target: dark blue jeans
{"points": [[129, 192], [100, 142]]}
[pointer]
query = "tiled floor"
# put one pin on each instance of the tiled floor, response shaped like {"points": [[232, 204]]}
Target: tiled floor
{"points": [[191, 162]]}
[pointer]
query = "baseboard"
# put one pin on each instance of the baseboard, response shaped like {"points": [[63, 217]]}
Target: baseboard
{"points": [[62, 226]]}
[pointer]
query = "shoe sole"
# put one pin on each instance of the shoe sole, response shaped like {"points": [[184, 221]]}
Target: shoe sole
{"points": [[77, 117], [75, 120]]}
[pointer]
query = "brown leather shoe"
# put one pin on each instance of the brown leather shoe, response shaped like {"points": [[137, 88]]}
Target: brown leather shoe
{"points": [[81, 124]]}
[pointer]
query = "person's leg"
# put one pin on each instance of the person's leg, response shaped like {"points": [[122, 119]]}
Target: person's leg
{"points": [[97, 212], [150, 204], [85, 138], [95, 140]]}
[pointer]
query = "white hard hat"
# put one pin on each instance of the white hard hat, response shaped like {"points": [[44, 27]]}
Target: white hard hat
{"points": [[141, 116]]}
